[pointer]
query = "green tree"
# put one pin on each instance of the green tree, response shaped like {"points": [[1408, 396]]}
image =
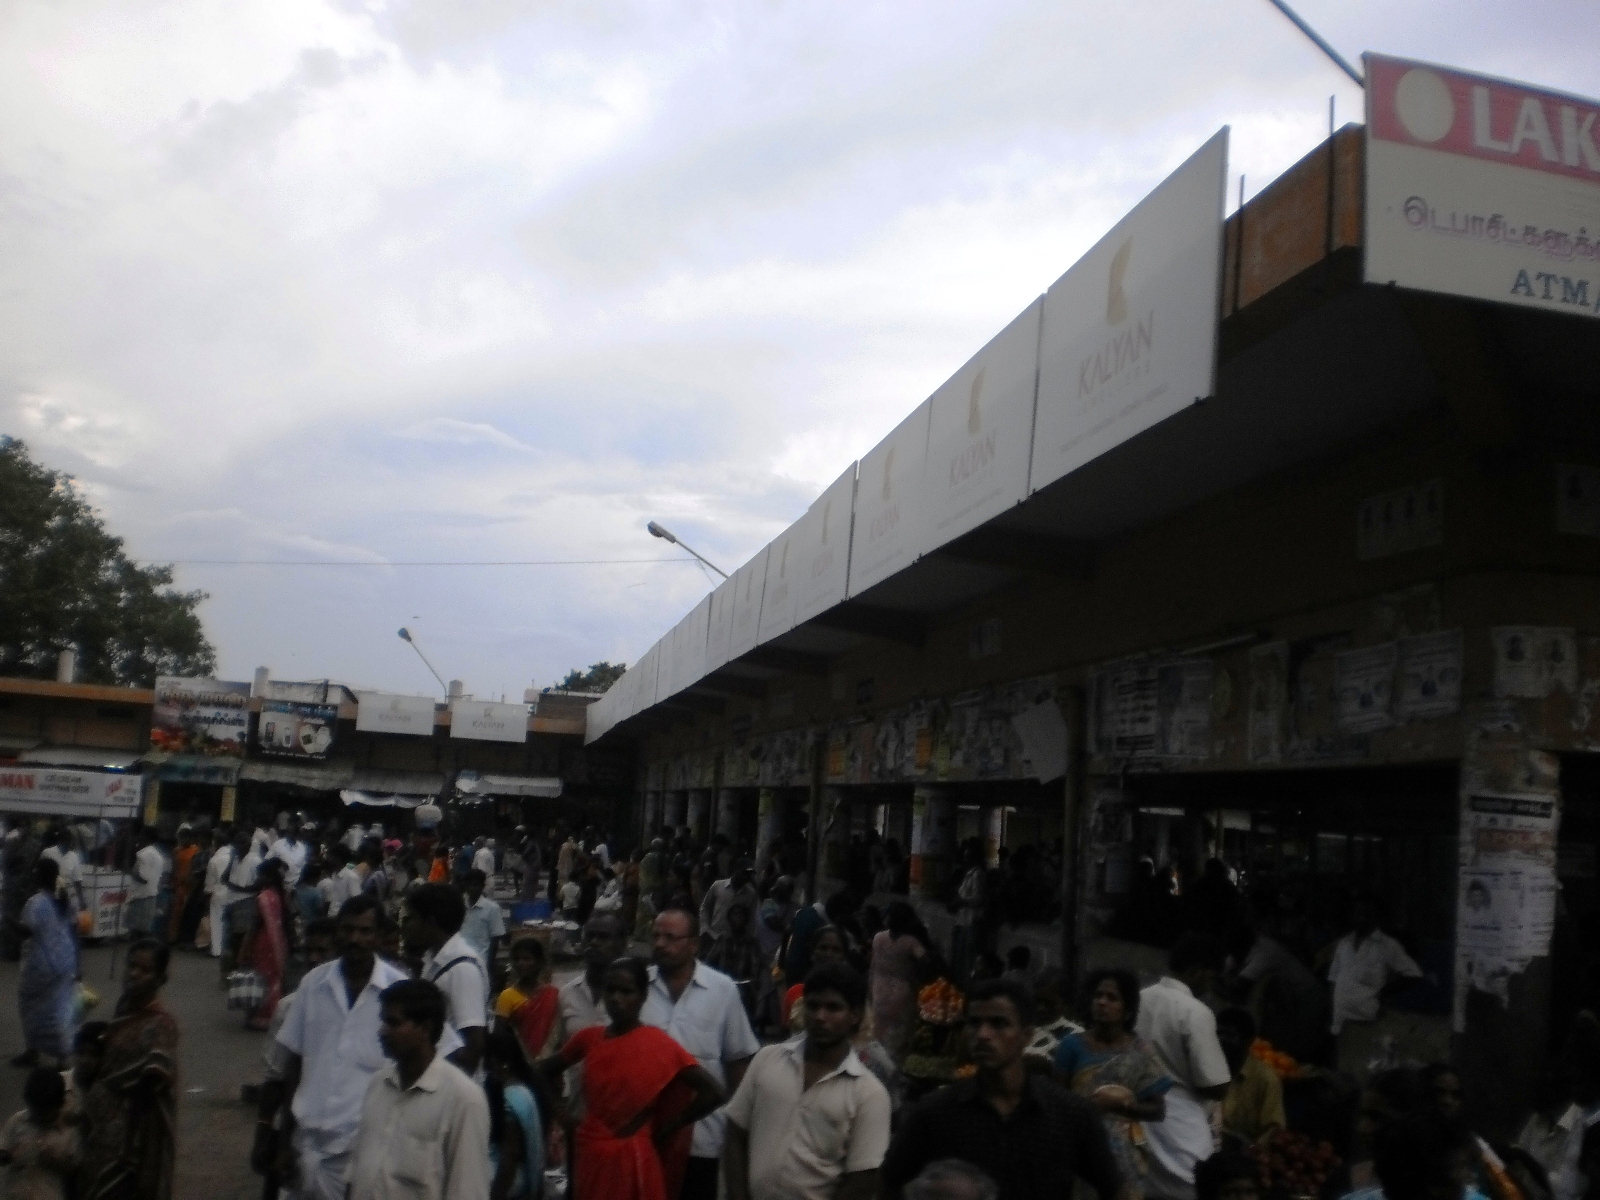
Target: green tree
{"points": [[64, 581], [597, 678]]}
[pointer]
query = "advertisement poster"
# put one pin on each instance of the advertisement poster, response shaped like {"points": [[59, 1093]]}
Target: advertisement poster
{"points": [[382, 712], [1430, 675], [1365, 688], [486, 721], [200, 716], [1530, 661], [1482, 188], [888, 533], [297, 730], [57, 792], [1154, 709], [1130, 331]]}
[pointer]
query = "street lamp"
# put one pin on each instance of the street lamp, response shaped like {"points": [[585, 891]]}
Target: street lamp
{"points": [[661, 531], [405, 636]]}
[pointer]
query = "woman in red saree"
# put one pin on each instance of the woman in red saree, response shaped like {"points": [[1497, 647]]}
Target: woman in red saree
{"points": [[642, 1094], [266, 947], [530, 1004], [131, 1109]]}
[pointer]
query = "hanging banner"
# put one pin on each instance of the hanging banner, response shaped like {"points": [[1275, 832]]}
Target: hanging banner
{"points": [[1130, 331], [486, 721], [60, 793], [200, 716], [1483, 188], [381, 712], [296, 730]]}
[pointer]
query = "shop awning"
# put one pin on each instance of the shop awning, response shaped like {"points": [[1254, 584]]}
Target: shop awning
{"points": [[80, 756], [327, 776], [391, 789], [194, 768], [470, 783]]}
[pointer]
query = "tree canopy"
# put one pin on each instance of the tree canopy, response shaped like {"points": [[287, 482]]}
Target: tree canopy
{"points": [[597, 678], [64, 581]]}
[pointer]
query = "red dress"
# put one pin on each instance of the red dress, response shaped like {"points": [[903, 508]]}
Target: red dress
{"points": [[623, 1077]]}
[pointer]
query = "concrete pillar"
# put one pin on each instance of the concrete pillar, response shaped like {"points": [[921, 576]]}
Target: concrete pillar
{"points": [[769, 822], [677, 810], [835, 832], [994, 826], [933, 834], [725, 815], [699, 810]]}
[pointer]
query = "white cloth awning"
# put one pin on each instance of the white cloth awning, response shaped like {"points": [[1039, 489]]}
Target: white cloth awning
{"points": [[381, 799], [80, 756], [315, 776], [398, 783], [543, 786]]}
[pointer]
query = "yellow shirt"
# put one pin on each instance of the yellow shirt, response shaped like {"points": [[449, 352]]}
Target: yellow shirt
{"points": [[1253, 1106]]}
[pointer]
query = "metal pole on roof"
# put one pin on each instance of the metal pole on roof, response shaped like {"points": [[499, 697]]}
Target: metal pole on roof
{"points": [[405, 636], [1320, 42], [661, 531]]}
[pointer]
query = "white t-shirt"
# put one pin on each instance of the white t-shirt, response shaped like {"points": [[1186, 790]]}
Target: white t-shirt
{"points": [[459, 974], [294, 856], [1360, 973], [69, 862], [571, 894], [483, 860], [148, 866]]}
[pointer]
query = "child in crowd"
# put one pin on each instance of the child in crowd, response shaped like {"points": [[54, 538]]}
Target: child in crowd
{"points": [[309, 903], [38, 1149], [571, 896], [88, 1050]]}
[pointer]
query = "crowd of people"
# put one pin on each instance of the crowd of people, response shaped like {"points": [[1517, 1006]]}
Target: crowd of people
{"points": [[725, 1033]]}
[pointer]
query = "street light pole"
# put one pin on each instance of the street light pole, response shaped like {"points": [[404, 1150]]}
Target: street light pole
{"points": [[405, 636], [661, 531]]}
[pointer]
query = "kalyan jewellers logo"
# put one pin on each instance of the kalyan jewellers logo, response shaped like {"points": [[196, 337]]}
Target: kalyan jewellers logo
{"points": [[975, 457], [1125, 355]]}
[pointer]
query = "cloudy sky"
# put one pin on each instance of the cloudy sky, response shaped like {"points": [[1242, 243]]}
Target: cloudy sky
{"points": [[477, 280]]}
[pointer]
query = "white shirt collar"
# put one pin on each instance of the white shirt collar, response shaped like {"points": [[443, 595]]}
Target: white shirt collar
{"points": [[795, 1050]]}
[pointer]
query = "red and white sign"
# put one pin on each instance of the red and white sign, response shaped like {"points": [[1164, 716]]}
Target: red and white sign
{"points": [[1482, 188], [51, 791]]}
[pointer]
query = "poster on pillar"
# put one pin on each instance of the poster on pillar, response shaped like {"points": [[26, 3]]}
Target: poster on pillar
{"points": [[1507, 883], [1482, 188]]}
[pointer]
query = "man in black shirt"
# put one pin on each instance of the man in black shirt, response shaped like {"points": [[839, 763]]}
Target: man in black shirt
{"points": [[1029, 1133]]}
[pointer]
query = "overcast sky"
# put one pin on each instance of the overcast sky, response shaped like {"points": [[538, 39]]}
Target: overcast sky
{"points": [[488, 280]]}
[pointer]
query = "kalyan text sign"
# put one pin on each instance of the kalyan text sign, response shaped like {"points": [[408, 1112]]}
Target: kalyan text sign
{"points": [[1482, 188]]}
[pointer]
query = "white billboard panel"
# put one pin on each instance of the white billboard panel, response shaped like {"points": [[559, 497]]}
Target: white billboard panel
{"points": [[721, 626], [487, 721], [980, 431], [888, 533], [749, 582], [383, 712], [777, 600], [1482, 188], [1130, 331], [823, 542]]}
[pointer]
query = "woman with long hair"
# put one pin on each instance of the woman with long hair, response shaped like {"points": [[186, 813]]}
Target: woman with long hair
{"points": [[516, 1121], [131, 1110], [899, 956], [47, 983], [266, 947], [1117, 1072], [642, 1094]]}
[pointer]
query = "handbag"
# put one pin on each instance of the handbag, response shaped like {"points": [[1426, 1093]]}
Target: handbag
{"points": [[246, 990], [241, 916]]}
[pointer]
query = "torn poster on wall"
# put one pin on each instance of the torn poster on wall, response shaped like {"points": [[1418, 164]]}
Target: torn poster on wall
{"points": [[1430, 675], [1269, 701], [1530, 661], [1153, 709], [1365, 688]]}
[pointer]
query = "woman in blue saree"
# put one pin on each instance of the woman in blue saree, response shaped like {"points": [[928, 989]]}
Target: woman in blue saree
{"points": [[47, 985]]}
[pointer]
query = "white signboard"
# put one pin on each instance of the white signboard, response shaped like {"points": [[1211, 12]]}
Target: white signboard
{"points": [[380, 712], [53, 791], [1478, 187], [783, 572], [823, 542], [980, 430], [1130, 331], [887, 532], [720, 634], [748, 582], [486, 721]]}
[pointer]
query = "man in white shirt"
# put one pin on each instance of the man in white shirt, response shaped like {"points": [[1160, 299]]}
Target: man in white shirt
{"points": [[331, 1036], [1368, 966], [424, 1131], [433, 916], [484, 924], [148, 867], [579, 1004], [722, 896], [344, 880], [809, 1121], [216, 867], [293, 851], [1183, 1032], [483, 856], [700, 1008], [238, 878], [261, 840], [353, 837], [68, 861]]}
